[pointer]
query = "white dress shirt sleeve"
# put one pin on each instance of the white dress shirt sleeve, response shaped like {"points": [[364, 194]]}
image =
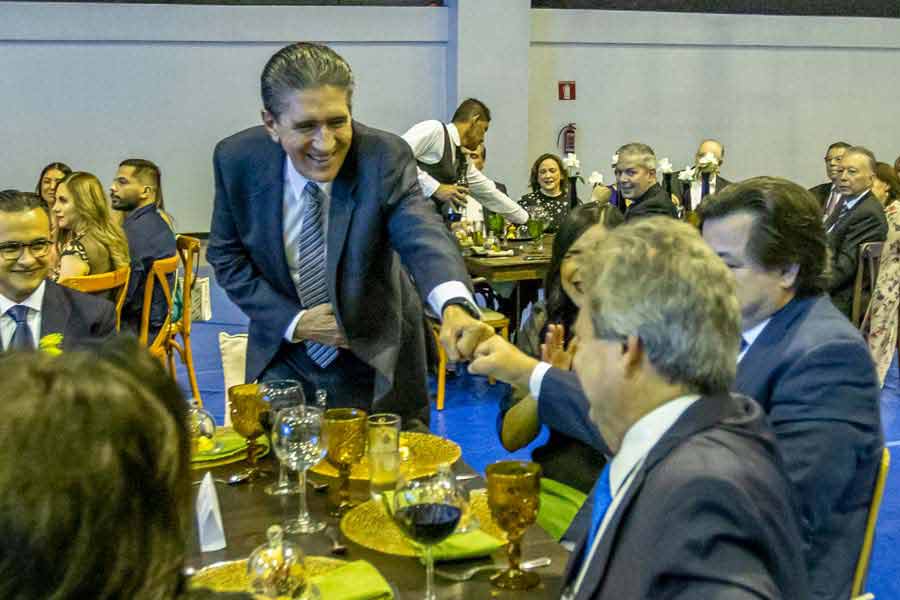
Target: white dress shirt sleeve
{"points": [[289, 333], [486, 193], [427, 142], [443, 292], [537, 379]]}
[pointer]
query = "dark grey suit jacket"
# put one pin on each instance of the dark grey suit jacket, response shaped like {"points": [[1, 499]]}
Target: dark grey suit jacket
{"points": [[683, 190], [865, 222], [377, 217], [654, 202], [709, 514], [80, 318], [821, 192]]}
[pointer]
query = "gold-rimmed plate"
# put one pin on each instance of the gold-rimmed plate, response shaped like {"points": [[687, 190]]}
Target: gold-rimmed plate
{"points": [[227, 447], [231, 575], [421, 453], [369, 525]]}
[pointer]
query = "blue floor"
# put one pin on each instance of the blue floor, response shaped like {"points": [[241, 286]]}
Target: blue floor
{"points": [[470, 415]]}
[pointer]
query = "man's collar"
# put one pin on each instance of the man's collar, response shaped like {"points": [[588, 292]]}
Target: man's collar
{"points": [[298, 181], [453, 132], [855, 201], [140, 211], [649, 190], [35, 301], [751, 334]]}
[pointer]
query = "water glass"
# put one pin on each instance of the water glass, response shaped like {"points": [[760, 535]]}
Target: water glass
{"points": [[297, 441], [279, 394]]}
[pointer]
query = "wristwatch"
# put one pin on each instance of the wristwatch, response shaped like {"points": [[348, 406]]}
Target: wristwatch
{"points": [[464, 303]]}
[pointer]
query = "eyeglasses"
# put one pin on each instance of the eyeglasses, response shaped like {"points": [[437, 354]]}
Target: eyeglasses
{"points": [[13, 250]]}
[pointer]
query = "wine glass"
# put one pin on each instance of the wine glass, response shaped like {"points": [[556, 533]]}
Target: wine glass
{"points": [[296, 439], [514, 498], [428, 511], [344, 430], [279, 394], [246, 406]]}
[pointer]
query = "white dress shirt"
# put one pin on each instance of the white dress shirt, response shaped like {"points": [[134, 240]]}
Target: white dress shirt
{"points": [[427, 142], [639, 440], [750, 336], [293, 203], [697, 189], [34, 302]]}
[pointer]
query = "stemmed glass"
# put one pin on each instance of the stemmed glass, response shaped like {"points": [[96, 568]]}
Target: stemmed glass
{"points": [[279, 394], [246, 407], [296, 439], [428, 511], [514, 498], [344, 430]]}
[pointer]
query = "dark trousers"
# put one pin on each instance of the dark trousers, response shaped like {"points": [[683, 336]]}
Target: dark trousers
{"points": [[349, 381]]}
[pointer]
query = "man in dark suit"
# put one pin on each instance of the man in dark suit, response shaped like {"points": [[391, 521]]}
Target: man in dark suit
{"points": [[805, 364], [695, 502], [136, 190], [703, 178], [858, 218], [33, 311], [313, 213], [640, 194], [827, 193]]}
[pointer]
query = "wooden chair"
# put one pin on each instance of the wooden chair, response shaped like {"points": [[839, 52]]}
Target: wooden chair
{"points": [[92, 284], [862, 564], [166, 343], [496, 320], [863, 287]]}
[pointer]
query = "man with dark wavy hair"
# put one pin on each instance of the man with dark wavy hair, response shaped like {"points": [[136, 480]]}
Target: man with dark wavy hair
{"points": [[805, 364]]}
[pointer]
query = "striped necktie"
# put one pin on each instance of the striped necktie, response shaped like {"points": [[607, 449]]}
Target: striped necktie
{"points": [[22, 338], [311, 285]]}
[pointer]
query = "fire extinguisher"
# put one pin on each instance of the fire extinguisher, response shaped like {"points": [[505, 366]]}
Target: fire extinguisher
{"points": [[567, 134]]}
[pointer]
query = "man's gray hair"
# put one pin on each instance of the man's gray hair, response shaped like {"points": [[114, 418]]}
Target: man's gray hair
{"points": [[302, 66], [863, 151], [642, 153], [656, 279]]}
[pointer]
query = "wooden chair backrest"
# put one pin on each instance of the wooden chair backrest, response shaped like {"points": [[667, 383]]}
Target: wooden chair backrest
{"points": [[868, 262], [862, 564], [158, 275], [92, 284], [189, 255]]}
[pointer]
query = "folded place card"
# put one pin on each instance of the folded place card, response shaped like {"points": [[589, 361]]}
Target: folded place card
{"points": [[209, 517]]}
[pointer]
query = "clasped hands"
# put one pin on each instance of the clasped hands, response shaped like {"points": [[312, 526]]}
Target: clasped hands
{"points": [[498, 358]]}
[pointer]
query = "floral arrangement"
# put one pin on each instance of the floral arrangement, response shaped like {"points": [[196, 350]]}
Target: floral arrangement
{"points": [[51, 344]]}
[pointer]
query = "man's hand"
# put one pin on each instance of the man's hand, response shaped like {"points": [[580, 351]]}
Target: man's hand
{"points": [[318, 324], [553, 350], [452, 193], [498, 358], [461, 333]]}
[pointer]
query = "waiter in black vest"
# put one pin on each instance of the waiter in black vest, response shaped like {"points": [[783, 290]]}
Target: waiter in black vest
{"points": [[444, 173]]}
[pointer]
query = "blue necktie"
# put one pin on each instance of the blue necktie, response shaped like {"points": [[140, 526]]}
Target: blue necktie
{"points": [[704, 186], [312, 287], [602, 500], [22, 339]]}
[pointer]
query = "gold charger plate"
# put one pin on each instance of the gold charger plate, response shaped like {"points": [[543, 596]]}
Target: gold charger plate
{"points": [[231, 576], [368, 525], [425, 453], [229, 448]]}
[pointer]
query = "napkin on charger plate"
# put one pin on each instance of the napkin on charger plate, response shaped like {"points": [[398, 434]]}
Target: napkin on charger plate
{"points": [[559, 504], [357, 580], [472, 544]]}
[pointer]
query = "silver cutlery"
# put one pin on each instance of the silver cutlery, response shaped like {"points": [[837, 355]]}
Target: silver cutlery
{"points": [[337, 548], [468, 574]]}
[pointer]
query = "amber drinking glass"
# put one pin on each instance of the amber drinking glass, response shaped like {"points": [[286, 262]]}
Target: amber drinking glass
{"points": [[344, 430], [246, 407], [514, 498]]}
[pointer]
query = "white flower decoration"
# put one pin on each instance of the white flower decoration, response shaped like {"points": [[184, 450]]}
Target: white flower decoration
{"points": [[572, 165], [664, 166], [615, 160], [687, 174], [595, 179]]}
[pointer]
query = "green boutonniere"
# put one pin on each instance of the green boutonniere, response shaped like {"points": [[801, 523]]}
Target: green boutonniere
{"points": [[51, 344]]}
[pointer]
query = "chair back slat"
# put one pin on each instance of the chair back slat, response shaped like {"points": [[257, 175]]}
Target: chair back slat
{"points": [[114, 280], [862, 564], [866, 276], [158, 275]]}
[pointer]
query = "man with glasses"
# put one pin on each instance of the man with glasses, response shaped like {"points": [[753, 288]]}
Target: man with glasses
{"points": [[827, 193], [32, 309]]}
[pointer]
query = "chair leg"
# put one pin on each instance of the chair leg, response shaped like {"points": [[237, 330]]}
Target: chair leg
{"points": [[442, 377], [189, 363]]}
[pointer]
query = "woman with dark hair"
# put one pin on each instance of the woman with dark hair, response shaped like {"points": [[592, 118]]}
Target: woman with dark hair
{"points": [[562, 458], [549, 191], [97, 500], [886, 185], [50, 178]]}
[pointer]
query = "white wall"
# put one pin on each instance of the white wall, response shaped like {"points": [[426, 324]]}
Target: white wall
{"points": [[91, 85], [775, 90]]}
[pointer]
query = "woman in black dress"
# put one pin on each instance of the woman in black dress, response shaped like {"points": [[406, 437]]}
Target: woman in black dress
{"points": [[549, 195]]}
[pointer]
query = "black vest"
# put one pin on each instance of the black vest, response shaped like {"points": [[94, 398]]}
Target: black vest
{"points": [[446, 170]]}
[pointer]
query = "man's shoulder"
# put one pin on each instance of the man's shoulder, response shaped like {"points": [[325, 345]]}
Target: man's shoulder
{"points": [[78, 302], [813, 322], [248, 141]]}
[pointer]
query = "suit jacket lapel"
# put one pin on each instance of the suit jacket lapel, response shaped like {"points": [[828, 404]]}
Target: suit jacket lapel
{"points": [[55, 311], [267, 204], [343, 202]]}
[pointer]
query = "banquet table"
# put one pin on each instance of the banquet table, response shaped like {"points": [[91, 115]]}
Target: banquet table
{"points": [[247, 511], [524, 265]]}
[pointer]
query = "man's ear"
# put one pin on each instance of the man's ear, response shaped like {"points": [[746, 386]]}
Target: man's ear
{"points": [[632, 355], [268, 120], [789, 276]]}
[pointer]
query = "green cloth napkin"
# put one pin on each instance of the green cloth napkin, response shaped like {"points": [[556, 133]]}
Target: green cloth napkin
{"points": [[559, 504], [358, 580], [471, 544]]}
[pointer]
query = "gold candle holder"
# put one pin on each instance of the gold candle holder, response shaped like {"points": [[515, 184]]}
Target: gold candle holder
{"points": [[514, 489], [344, 430]]}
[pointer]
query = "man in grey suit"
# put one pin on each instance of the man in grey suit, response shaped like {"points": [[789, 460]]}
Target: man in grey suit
{"points": [[313, 214], [827, 193], [704, 178]]}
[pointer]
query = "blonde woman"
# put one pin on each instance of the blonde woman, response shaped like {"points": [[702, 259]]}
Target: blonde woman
{"points": [[90, 243]]}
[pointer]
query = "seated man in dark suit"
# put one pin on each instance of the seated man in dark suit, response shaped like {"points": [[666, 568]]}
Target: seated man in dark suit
{"points": [[703, 179], [695, 502], [33, 311], [640, 194], [137, 191], [858, 218], [827, 193], [805, 364]]}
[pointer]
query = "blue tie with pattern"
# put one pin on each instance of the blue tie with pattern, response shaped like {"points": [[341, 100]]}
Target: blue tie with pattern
{"points": [[22, 339], [602, 500], [312, 287]]}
